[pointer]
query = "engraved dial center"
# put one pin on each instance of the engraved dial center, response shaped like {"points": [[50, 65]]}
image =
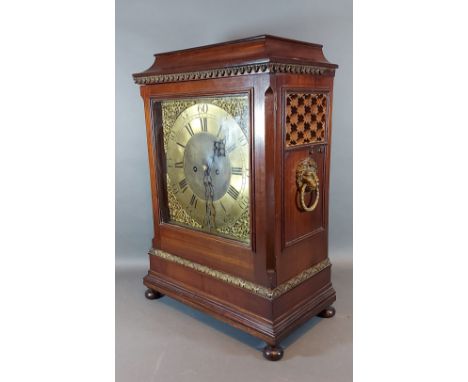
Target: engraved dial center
{"points": [[201, 152]]}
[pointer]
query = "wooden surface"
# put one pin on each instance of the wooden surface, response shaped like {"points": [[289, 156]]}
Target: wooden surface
{"points": [[254, 50], [284, 240]]}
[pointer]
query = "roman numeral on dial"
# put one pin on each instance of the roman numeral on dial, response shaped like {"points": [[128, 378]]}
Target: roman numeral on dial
{"points": [[193, 201], [189, 128], [234, 170], [183, 184], [233, 193], [179, 165], [243, 203], [222, 206], [204, 124]]}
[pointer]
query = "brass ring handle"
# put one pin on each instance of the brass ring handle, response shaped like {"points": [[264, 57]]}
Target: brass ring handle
{"points": [[304, 188], [308, 180]]}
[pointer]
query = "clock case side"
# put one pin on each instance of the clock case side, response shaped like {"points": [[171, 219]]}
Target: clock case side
{"points": [[301, 250]]}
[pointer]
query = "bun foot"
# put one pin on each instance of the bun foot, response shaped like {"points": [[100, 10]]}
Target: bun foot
{"points": [[152, 294], [327, 313], [273, 353]]}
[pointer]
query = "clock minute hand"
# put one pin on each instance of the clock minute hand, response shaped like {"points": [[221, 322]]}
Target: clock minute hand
{"points": [[209, 194], [210, 213]]}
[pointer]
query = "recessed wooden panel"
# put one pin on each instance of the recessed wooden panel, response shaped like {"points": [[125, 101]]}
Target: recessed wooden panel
{"points": [[298, 223], [222, 254], [301, 255]]}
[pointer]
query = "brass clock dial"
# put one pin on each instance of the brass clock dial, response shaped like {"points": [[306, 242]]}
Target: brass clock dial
{"points": [[207, 159]]}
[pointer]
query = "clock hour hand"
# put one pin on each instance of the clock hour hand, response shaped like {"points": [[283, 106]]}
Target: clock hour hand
{"points": [[219, 148]]}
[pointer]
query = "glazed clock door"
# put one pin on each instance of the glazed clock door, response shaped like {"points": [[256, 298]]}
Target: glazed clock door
{"points": [[207, 162]]}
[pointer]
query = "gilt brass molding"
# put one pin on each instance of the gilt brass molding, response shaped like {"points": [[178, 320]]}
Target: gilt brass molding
{"points": [[233, 71], [259, 290]]}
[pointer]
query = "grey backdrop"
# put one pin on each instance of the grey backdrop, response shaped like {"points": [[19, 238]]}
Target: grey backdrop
{"points": [[145, 27]]}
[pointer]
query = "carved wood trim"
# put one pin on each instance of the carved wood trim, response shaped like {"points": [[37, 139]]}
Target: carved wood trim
{"points": [[233, 71]]}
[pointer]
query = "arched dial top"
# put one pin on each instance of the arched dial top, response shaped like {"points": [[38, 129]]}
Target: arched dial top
{"points": [[208, 166]]}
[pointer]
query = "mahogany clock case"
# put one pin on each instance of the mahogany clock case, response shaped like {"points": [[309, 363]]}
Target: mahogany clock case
{"points": [[281, 277]]}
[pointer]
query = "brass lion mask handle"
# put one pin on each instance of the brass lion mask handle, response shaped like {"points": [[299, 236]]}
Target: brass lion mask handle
{"points": [[308, 181]]}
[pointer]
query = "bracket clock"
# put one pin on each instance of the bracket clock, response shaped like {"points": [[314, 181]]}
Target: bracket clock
{"points": [[239, 150]]}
